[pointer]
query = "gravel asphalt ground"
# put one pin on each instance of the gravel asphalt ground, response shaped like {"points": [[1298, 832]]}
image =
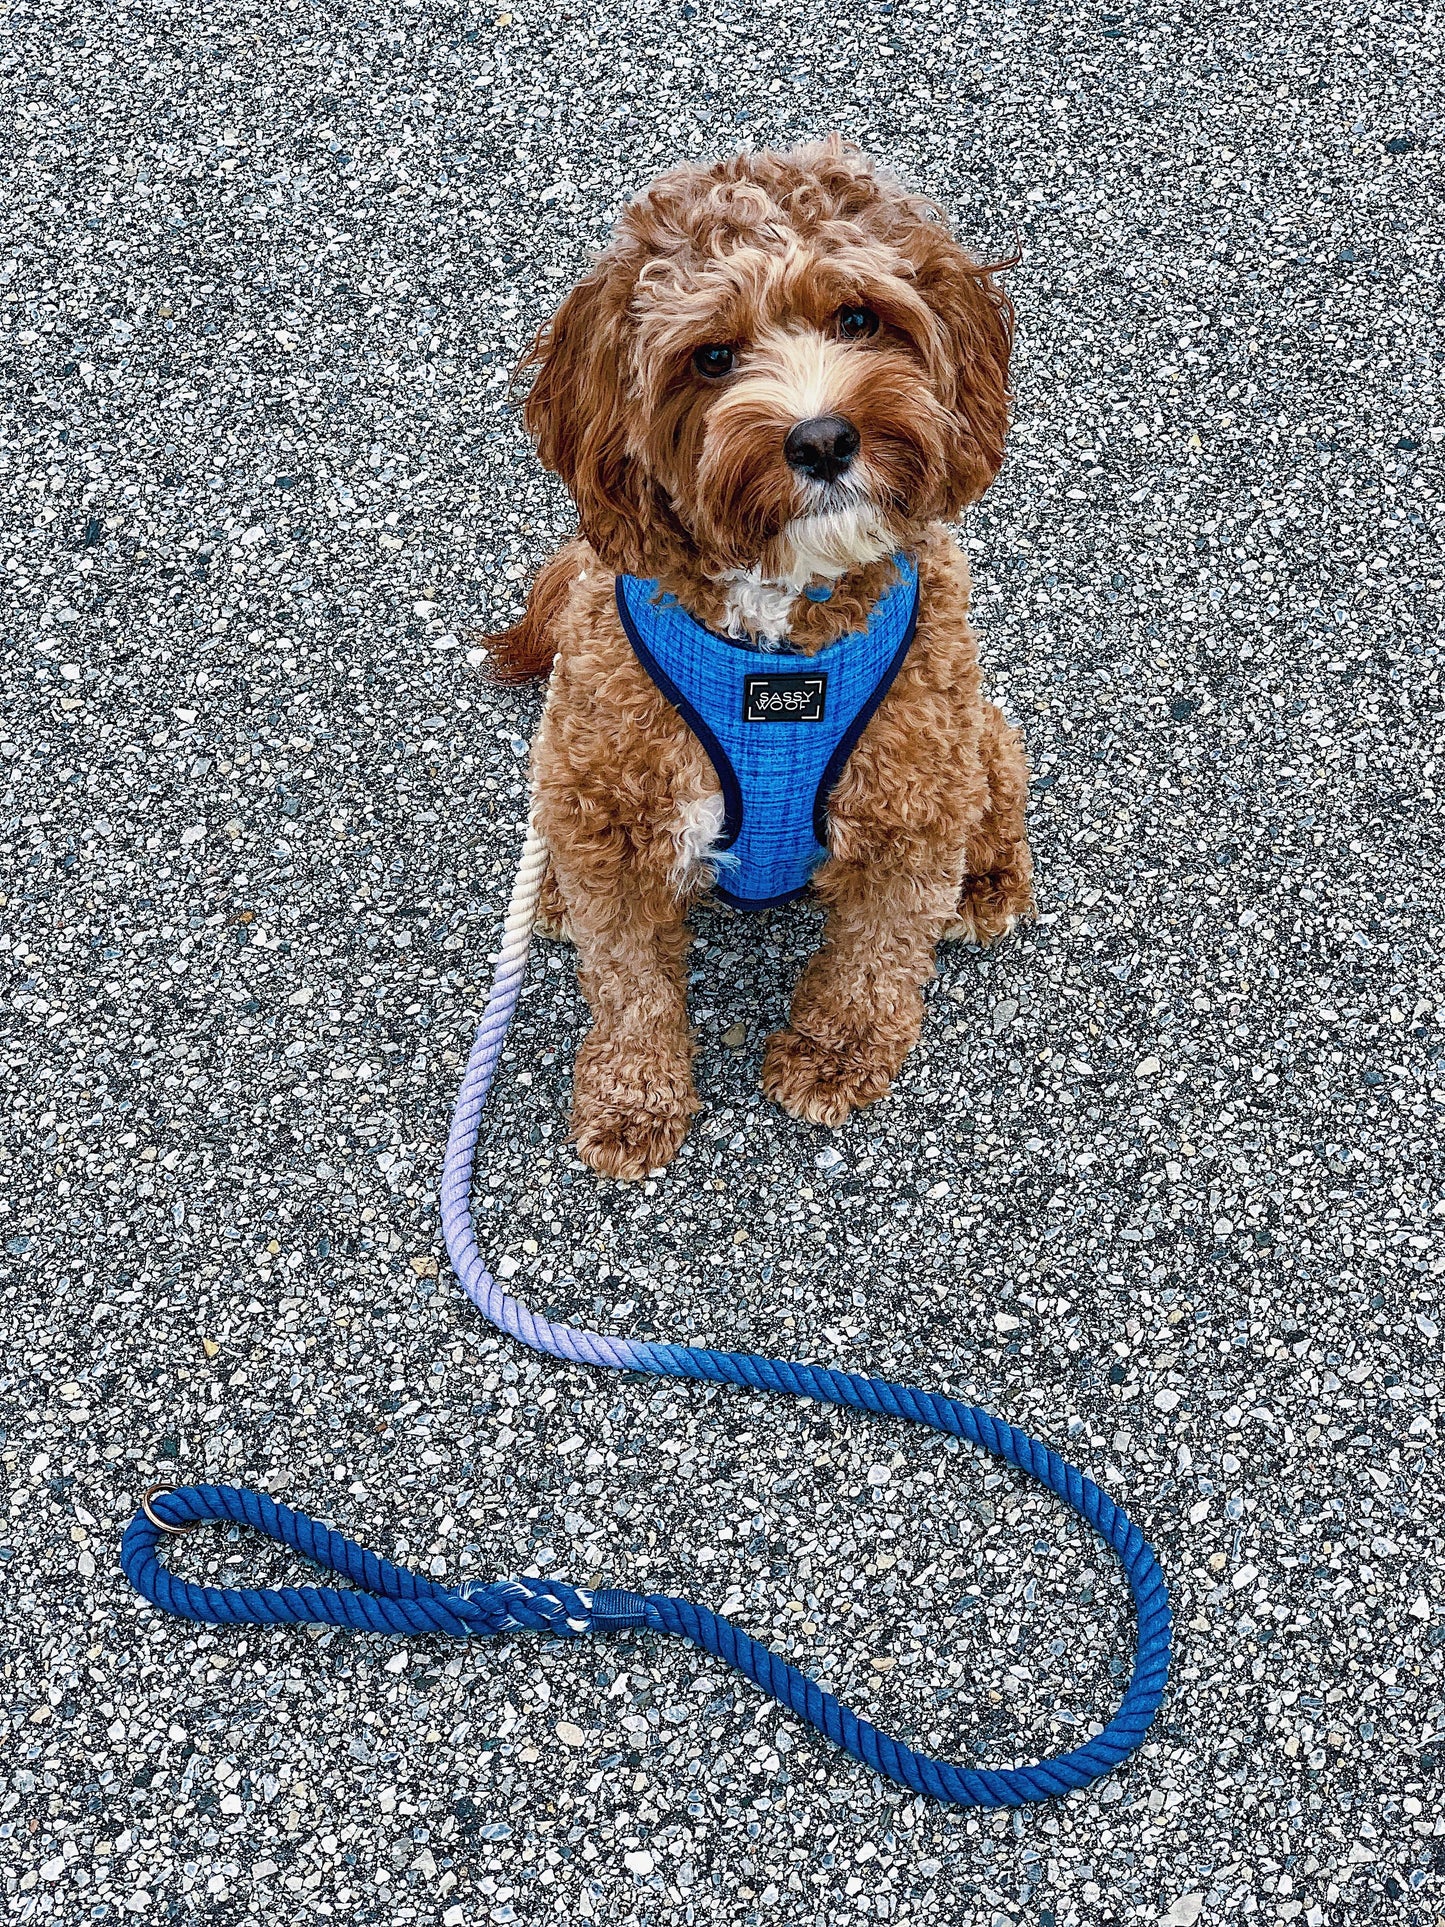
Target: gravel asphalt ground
{"points": [[1160, 1184]]}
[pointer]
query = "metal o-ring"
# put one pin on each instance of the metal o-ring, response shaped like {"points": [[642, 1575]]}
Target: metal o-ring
{"points": [[162, 1525]]}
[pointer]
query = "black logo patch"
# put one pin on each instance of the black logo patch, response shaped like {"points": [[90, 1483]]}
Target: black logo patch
{"points": [[784, 699]]}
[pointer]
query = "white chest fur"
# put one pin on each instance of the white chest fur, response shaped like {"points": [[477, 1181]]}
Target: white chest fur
{"points": [[821, 545], [695, 832], [760, 609]]}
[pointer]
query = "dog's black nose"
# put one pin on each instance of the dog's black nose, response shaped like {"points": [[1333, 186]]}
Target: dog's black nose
{"points": [[823, 448]]}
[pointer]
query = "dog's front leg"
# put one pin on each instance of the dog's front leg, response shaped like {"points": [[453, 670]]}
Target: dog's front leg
{"points": [[632, 1093], [858, 1007]]}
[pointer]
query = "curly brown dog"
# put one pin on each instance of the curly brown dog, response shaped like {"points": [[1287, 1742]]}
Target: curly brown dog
{"points": [[782, 373]]}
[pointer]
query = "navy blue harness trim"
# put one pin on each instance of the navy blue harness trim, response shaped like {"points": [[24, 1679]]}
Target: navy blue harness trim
{"points": [[732, 793], [838, 760], [760, 903]]}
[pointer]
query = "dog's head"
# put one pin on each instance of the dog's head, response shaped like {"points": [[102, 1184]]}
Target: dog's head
{"points": [[784, 360]]}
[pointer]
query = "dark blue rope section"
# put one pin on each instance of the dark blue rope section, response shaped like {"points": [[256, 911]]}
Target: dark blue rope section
{"points": [[386, 1598]]}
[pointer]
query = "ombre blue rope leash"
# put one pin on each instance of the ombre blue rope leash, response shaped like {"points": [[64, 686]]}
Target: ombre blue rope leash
{"points": [[386, 1598]]}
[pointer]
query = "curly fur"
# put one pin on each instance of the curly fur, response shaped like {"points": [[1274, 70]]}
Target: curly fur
{"points": [[682, 477]]}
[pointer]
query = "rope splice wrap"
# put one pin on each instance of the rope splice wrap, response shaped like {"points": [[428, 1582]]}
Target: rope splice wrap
{"points": [[386, 1598]]}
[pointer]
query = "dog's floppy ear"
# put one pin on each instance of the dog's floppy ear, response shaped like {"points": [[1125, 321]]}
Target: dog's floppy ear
{"points": [[978, 321], [576, 413]]}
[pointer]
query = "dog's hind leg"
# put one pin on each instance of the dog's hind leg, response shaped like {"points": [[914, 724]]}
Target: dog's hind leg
{"points": [[997, 887]]}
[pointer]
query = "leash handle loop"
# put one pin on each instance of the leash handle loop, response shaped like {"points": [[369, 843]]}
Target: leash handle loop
{"points": [[380, 1597]]}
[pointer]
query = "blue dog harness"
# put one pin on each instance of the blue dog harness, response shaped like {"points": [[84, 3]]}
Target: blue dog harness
{"points": [[777, 729]]}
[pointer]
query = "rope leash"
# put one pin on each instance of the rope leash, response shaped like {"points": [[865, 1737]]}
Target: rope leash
{"points": [[386, 1598]]}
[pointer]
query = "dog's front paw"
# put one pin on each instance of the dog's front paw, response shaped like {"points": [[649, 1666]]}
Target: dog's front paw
{"points": [[628, 1144], [823, 1083], [630, 1112]]}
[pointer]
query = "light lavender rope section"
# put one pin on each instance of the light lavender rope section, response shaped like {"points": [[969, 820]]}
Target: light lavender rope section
{"points": [[497, 1306]]}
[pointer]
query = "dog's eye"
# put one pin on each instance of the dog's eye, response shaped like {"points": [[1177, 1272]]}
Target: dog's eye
{"points": [[856, 324], [717, 358]]}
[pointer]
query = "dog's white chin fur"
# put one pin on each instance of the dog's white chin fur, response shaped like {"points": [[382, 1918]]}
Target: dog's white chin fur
{"points": [[826, 543]]}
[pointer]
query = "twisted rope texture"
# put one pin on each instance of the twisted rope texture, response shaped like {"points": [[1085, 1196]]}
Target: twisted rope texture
{"points": [[394, 1600]]}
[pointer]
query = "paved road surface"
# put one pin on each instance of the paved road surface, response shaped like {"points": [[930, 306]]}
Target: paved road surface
{"points": [[1160, 1184]]}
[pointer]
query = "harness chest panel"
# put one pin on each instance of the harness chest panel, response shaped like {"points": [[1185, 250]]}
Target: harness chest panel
{"points": [[778, 729]]}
